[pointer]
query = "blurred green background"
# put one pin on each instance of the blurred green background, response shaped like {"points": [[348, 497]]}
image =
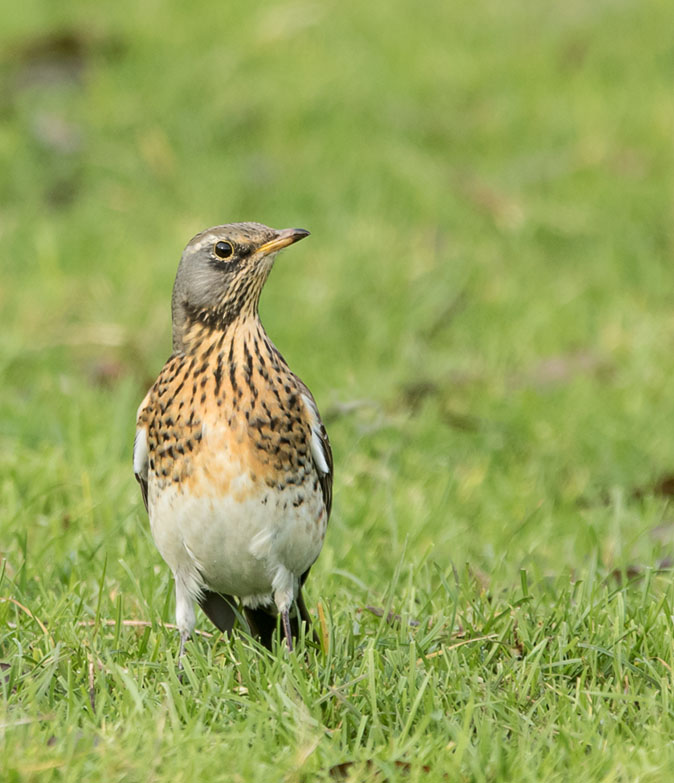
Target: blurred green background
{"points": [[484, 310]]}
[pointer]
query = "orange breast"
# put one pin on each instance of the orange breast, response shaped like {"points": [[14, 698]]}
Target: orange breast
{"points": [[227, 417]]}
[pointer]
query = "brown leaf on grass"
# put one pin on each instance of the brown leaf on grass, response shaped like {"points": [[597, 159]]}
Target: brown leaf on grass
{"points": [[461, 421], [558, 370], [50, 58], [62, 192], [344, 770], [662, 487], [391, 617], [635, 571], [506, 211], [57, 57], [106, 373], [413, 394]]}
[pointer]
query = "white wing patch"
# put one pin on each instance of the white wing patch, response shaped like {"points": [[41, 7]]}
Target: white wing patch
{"points": [[317, 449], [140, 453], [141, 457]]}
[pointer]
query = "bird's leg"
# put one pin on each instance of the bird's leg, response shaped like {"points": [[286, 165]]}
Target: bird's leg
{"points": [[185, 617], [285, 586], [183, 639], [285, 619]]}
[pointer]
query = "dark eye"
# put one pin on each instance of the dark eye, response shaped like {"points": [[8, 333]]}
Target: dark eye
{"points": [[223, 249]]}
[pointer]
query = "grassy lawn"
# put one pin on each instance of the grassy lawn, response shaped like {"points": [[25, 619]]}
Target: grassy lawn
{"points": [[485, 314]]}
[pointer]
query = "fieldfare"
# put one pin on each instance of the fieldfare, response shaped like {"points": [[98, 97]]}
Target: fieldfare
{"points": [[233, 461]]}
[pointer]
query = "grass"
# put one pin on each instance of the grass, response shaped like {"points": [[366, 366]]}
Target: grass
{"points": [[484, 312]]}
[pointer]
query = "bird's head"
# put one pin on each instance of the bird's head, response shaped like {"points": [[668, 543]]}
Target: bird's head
{"points": [[222, 272]]}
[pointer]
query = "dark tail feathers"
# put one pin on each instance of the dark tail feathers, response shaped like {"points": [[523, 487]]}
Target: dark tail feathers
{"points": [[261, 621]]}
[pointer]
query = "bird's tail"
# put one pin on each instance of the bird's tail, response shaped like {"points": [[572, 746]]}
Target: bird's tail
{"points": [[263, 622]]}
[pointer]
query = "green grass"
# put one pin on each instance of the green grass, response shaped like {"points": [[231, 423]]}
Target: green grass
{"points": [[485, 314]]}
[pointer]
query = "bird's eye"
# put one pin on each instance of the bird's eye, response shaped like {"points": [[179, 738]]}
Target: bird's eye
{"points": [[223, 249]]}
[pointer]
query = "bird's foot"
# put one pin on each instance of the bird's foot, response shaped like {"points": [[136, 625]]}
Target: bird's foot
{"points": [[184, 636]]}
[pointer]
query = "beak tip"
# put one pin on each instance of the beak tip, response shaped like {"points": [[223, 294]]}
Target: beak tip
{"points": [[283, 238]]}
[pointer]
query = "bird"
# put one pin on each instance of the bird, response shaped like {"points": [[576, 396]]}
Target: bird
{"points": [[233, 460]]}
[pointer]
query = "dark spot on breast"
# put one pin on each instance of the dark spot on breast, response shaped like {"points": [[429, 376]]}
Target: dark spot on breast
{"points": [[218, 376]]}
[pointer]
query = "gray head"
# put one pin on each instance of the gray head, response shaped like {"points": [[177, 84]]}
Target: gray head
{"points": [[221, 274]]}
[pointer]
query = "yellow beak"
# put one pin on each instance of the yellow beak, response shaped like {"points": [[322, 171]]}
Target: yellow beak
{"points": [[282, 239]]}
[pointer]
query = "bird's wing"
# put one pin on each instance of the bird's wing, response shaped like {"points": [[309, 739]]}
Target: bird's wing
{"points": [[140, 451], [320, 446]]}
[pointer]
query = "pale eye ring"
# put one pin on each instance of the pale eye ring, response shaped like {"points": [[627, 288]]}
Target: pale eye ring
{"points": [[223, 249]]}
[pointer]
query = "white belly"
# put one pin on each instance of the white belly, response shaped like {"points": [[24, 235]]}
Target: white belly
{"points": [[238, 543]]}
